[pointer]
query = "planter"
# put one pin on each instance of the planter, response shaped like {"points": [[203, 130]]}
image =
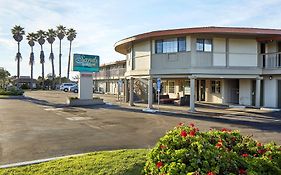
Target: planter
{"points": [[84, 102]]}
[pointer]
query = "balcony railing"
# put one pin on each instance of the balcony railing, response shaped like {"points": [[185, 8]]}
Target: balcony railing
{"points": [[271, 60], [112, 73]]}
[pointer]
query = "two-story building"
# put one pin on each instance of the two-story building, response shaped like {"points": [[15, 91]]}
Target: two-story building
{"points": [[106, 80], [225, 65]]}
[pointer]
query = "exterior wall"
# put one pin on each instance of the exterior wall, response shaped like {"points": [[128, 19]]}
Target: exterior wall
{"points": [[141, 56], [243, 52], [219, 52], [171, 61], [245, 92]]}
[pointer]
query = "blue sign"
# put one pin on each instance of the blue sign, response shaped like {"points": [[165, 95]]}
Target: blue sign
{"points": [[158, 84], [86, 63]]}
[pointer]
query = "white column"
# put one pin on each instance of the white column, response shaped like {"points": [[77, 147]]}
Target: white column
{"points": [[258, 91], [125, 90], [131, 101], [192, 93], [150, 93], [85, 86]]}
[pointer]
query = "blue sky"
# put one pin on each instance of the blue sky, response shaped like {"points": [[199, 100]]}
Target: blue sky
{"points": [[100, 24]]}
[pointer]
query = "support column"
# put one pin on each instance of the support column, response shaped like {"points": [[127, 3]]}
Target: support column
{"points": [[150, 93], [131, 101], [125, 90], [258, 91], [192, 93]]}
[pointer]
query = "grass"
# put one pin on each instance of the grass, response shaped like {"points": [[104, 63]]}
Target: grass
{"points": [[121, 162]]}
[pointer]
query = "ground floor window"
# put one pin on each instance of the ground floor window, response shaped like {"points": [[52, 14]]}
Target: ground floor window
{"points": [[186, 87], [171, 87], [216, 86]]}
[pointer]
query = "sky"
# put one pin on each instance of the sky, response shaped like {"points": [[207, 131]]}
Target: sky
{"points": [[100, 24]]}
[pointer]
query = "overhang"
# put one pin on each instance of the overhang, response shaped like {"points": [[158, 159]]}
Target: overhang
{"points": [[257, 33]]}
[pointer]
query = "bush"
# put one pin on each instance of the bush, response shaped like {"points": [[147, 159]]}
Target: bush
{"points": [[186, 151], [12, 91]]}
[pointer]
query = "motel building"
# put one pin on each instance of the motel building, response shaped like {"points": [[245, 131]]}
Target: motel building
{"points": [[222, 65]]}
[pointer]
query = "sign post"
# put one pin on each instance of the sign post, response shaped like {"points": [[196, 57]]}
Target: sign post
{"points": [[158, 91], [86, 65]]}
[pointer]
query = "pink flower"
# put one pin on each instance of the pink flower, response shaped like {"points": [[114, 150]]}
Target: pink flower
{"points": [[259, 144], [159, 164], [191, 125], [183, 133], [180, 124], [211, 173], [219, 145], [245, 155]]}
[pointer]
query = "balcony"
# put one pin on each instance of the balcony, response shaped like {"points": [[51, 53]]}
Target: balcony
{"points": [[110, 74], [271, 60]]}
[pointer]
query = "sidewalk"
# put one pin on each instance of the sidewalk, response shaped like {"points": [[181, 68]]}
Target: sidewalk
{"points": [[204, 109]]}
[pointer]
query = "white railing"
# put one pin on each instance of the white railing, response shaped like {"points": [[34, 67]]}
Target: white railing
{"points": [[270, 60], [112, 73]]}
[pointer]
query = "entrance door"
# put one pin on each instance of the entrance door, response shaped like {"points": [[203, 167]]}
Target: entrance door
{"points": [[279, 94], [203, 90]]}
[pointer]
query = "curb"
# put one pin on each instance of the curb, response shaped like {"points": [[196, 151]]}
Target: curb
{"points": [[38, 161]]}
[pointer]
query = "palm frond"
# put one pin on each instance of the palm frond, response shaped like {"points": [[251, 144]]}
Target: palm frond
{"points": [[18, 56], [51, 57]]}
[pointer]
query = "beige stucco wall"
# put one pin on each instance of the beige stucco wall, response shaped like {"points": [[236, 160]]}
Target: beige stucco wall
{"points": [[213, 97], [141, 56], [245, 92], [243, 52], [270, 95], [170, 61], [219, 52]]}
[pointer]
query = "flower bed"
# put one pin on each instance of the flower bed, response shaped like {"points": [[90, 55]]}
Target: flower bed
{"points": [[11, 92], [185, 150]]}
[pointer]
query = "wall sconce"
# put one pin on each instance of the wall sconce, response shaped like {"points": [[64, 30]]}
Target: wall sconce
{"points": [[270, 77]]}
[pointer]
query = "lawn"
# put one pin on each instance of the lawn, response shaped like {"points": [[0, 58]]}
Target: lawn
{"points": [[121, 162]]}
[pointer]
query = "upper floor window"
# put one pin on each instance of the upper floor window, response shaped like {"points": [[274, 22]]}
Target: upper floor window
{"points": [[170, 45], [204, 45]]}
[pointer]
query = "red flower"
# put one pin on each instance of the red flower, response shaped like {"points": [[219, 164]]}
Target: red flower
{"points": [[261, 151], [259, 144], [255, 155], [163, 146], [245, 155], [183, 133], [242, 171], [191, 125], [211, 173], [192, 133], [159, 164], [180, 124], [219, 145], [224, 129]]}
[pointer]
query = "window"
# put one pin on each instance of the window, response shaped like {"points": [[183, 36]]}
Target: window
{"points": [[170, 45], [171, 87], [216, 87], [182, 44], [159, 46], [186, 87], [204, 45]]}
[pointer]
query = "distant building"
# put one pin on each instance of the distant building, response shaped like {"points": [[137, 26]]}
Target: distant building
{"points": [[106, 80], [25, 80]]}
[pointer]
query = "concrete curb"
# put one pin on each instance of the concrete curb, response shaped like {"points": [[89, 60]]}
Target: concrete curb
{"points": [[38, 161]]}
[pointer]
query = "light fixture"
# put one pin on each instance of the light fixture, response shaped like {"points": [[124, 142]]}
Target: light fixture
{"points": [[270, 77]]}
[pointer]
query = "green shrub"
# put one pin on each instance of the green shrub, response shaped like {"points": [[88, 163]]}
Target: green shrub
{"points": [[12, 92], [186, 151]]}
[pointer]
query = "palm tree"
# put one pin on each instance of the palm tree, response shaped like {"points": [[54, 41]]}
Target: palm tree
{"points": [[51, 37], [31, 37], [71, 35], [60, 33], [18, 33], [41, 40]]}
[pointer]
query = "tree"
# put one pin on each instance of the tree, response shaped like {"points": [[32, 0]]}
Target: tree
{"points": [[31, 37], [71, 35], [4, 75], [60, 33], [41, 40], [51, 37], [18, 33]]}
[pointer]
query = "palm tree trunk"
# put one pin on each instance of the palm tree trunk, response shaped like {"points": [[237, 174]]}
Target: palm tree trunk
{"points": [[31, 72], [18, 66], [69, 56], [53, 69], [60, 64], [43, 79]]}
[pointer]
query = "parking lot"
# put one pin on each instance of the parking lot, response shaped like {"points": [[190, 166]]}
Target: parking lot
{"points": [[42, 126]]}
